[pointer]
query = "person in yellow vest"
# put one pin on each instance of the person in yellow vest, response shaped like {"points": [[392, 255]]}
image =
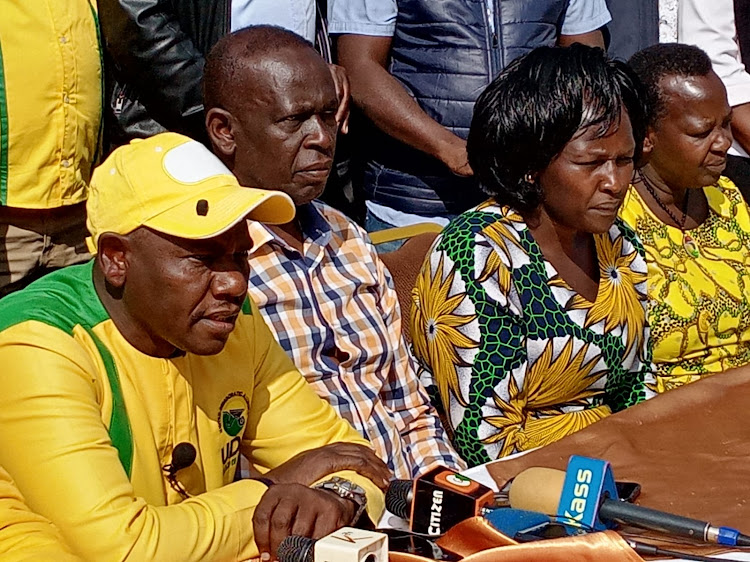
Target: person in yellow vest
{"points": [[24, 535], [50, 123], [132, 384]]}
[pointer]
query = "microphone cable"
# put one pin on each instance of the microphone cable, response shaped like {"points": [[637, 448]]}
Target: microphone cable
{"points": [[651, 550], [639, 547]]}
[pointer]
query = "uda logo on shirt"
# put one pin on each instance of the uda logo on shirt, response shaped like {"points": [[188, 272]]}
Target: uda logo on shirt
{"points": [[233, 413]]}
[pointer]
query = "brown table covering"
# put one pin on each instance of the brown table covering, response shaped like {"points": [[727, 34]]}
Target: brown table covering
{"points": [[689, 449]]}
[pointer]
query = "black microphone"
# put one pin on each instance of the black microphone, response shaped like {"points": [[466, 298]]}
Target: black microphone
{"points": [[437, 500], [296, 549], [344, 545], [183, 455], [398, 498]]}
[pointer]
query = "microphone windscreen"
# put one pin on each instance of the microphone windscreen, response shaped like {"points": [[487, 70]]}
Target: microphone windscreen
{"points": [[183, 456], [537, 489], [397, 499], [296, 549]]}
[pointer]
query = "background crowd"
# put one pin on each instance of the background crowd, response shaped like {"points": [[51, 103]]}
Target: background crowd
{"points": [[585, 163]]}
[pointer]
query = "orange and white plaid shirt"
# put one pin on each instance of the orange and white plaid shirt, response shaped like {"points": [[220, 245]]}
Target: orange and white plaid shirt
{"points": [[335, 312]]}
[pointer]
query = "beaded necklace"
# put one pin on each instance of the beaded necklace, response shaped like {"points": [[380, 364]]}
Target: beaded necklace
{"points": [[687, 241]]}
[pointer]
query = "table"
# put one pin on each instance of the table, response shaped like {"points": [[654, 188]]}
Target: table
{"points": [[688, 448]]}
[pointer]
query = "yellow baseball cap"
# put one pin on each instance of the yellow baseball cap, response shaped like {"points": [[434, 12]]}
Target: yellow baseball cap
{"points": [[176, 186]]}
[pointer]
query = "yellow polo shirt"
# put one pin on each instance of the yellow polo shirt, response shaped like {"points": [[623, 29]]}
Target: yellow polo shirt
{"points": [[87, 422], [25, 536], [50, 101]]}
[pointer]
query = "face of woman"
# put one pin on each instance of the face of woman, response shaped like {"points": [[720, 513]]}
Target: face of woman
{"points": [[585, 184], [688, 146]]}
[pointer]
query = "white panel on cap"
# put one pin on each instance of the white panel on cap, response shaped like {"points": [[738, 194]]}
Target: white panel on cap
{"points": [[192, 162]]}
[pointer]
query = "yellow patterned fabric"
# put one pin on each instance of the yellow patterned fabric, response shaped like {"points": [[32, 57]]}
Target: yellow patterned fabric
{"points": [[699, 307]]}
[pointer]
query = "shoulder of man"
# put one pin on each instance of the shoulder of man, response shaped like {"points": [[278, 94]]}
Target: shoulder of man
{"points": [[63, 299], [339, 222]]}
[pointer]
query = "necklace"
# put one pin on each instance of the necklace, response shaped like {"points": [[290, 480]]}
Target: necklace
{"points": [[687, 241]]}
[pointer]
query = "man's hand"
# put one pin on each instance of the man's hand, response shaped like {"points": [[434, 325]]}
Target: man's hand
{"points": [[294, 509], [455, 157], [308, 467], [343, 93]]}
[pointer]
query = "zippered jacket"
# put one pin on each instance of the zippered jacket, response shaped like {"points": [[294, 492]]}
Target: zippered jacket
{"points": [[155, 52]]}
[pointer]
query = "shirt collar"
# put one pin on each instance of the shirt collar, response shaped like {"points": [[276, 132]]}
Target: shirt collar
{"points": [[314, 227]]}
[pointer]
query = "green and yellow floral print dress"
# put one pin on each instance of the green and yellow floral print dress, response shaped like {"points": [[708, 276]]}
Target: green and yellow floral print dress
{"points": [[517, 357]]}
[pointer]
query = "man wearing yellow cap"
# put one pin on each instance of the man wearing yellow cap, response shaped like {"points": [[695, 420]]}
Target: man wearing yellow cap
{"points": [[132, 384]]}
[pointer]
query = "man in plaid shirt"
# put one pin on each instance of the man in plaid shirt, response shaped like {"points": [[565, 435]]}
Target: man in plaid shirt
{"points": [[271, 114]]}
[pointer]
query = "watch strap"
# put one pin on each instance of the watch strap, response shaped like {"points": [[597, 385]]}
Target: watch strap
{"points": [[347, 490]]}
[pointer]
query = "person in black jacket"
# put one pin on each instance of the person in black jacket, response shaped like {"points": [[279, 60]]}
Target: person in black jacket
{"points": [[155, 51]]}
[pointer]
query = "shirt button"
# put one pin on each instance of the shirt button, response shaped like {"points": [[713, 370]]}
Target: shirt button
{"points": [[66, 98], [65, 163], [63, 39]]}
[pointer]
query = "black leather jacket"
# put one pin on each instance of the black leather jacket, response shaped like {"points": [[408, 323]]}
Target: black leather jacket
{"points": [[154, 55]]}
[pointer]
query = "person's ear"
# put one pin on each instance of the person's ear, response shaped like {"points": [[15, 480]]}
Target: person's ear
{"points": [[219, 127], [113, 258], [648, 145]]}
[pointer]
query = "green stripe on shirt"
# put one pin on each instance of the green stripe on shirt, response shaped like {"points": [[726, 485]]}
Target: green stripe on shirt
{"points": [[65, 299], [119, 425], [3, 135]]}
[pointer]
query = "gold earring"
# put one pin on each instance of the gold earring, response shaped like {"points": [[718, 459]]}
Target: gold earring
{"points": [[528, 178]]}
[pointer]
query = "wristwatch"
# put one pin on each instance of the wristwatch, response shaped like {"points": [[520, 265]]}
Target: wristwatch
{"points": [[347, 490]]}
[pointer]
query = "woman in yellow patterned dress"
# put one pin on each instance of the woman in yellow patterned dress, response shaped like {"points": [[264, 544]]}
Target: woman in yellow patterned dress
{"points": [[693, 222], [529, 314]]}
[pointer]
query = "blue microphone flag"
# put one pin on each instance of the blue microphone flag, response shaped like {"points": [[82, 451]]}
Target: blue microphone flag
{"points": [[587, 482]]}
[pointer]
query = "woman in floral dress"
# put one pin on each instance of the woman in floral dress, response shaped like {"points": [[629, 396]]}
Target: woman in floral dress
{"points": [[529, 314], [693, 222]]}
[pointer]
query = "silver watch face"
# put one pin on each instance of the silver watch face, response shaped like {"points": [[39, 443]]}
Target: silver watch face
{"points": [[346, 489]]}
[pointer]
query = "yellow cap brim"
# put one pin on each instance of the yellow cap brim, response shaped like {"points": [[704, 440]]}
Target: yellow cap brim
{"points": [[224, 207]]}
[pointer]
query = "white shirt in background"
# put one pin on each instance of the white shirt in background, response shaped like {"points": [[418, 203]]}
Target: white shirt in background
{"points": [[294, 15], [710, 26], [668, 21]]}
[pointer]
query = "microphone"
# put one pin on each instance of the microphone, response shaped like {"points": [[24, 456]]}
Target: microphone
{"points": [[296, 549], [183, 455], [585, 496], [345, 545], [437, 500], [511, 522]]}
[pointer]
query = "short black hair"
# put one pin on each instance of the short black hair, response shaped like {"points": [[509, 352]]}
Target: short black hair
{"points": [[233, 51], [535, 106], [660, 61]]}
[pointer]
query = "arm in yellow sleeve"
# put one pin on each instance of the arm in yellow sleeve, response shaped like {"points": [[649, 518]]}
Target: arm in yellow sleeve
{"points": [[55, 445], [287, 417], [24, 535]]}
